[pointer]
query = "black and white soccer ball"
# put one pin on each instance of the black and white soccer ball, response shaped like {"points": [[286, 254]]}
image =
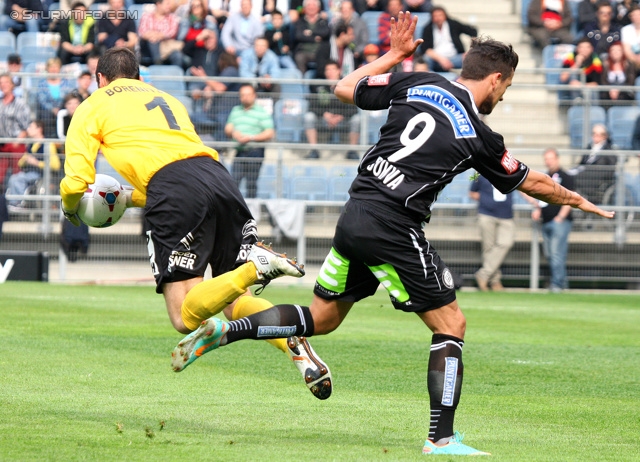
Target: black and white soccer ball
{"points": [[103, 203]]}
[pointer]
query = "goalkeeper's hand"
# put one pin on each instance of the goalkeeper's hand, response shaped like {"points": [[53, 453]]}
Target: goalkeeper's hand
{"points": [[128, 193], [71, 215]]}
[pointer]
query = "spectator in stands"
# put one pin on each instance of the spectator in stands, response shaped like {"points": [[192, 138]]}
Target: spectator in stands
{"points": [[14, 66], [32, 163], [248, 123], [621, 11], [117, 29], [220, 11], [83, 85], [556, 224], [296, 10], [384, 24], [279, 37], [342, 48], [51, 92], [77, 36], [260, 61], [371, 53], [497, 231], [63, 119], [204, 59], [194, 30], [585, 60], [92, 65], [158, 31], [619, 71], [311, 38], [603, 31], [630, 36], [349, 17], [442, 48], [550, 22], [12, 17], [369, 5], [217, 97], [14, 120], [327, 113], [586, 15], [596, 171], [241, 29], [418, 6]]}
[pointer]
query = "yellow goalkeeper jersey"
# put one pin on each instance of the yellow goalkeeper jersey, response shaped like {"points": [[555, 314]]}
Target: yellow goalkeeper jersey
{"points": [[138, 128]]}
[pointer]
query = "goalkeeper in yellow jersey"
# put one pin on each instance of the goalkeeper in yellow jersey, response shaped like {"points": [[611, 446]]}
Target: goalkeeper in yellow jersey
{"points": [[194, 212]]}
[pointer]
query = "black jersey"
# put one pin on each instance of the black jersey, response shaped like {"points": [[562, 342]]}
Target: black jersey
{"points": [[432, 134]]}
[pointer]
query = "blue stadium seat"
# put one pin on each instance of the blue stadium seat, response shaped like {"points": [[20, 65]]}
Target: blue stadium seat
{"points": [[620, 123], [27, 39], [309, 188], [36, 54], [173, 81], [288, 114], [292, 89], [552, 58], [339, 188], [375, 122], [315, 171], [576, 115], [5, 51], [8, 39], [370, 18], [423, 20], [344, 171], [457, 192]]}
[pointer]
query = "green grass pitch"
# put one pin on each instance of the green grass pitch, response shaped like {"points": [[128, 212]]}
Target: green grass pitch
{"points": [[85, 375]]}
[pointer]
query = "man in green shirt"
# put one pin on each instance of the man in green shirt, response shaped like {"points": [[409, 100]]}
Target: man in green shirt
{"points": [[248, 123]]}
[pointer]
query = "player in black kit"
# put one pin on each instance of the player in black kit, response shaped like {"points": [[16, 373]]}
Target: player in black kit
{"points": [[433, 133]]}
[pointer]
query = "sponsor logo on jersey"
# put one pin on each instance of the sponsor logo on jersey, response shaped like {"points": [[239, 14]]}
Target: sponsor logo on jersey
{"points": [[182, 259], [276, 331], [509, 163], [450, 377], [447, 278], [446, 103], [384, 170], [379, 80]]}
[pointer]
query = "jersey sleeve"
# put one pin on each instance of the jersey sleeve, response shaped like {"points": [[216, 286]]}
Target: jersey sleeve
{"points": [[375, 92], [498, 165]]}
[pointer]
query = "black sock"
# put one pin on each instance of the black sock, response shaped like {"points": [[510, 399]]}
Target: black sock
{"points": [[280, 321], [444, 382]]}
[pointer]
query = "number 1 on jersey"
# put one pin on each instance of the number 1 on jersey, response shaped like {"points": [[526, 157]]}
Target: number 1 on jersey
{"points": [[160, 102]]}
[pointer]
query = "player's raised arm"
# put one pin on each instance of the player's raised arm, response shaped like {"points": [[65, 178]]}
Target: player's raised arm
{"points": [[541, 186], [402, 46]]}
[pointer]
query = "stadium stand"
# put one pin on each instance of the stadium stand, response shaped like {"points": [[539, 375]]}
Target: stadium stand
{"points": [[8, 39], [287, 116], [620, 123]]}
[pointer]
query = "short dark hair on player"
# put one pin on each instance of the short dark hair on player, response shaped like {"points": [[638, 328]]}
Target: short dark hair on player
{"points": [[486, 56], [118, 63]]}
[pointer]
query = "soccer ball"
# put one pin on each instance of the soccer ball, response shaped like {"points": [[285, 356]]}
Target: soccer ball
{"points": [[103, 203]]}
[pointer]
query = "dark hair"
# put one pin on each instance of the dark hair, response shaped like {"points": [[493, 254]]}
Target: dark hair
{"points": [[341, 28], [331, 62], [118, 63], [76, 5], [83, 73], [276, 11], [14, 58], [486, 56], [39, 123], [439, 8], [95, 53], [226, 60]]}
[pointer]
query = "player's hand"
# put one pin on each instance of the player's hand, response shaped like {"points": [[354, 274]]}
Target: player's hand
{"points": [[588, 207], [402, 32], [70, 215]]}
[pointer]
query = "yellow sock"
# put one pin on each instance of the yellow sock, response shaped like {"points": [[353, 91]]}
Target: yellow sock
{"points": [[250, 305], [211, 296]]}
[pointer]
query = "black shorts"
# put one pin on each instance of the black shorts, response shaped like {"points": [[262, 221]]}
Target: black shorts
{"points": [[374, 246], [195, 216]]}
